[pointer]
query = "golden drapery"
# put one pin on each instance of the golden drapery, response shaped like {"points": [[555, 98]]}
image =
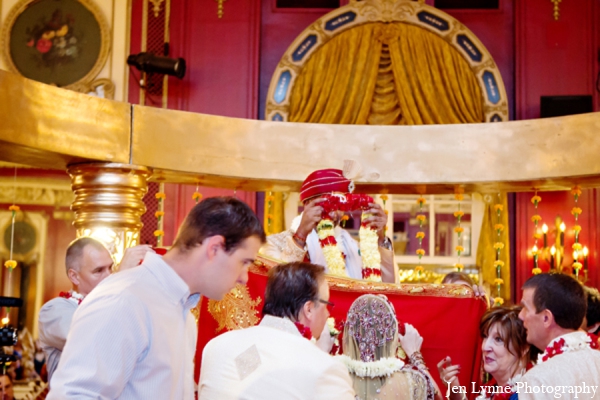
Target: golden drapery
{"points": [[486, 253], [380, 73], [396, 74]]}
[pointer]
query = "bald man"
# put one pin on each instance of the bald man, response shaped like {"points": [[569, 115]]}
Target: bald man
{"points": [[87, 263]]}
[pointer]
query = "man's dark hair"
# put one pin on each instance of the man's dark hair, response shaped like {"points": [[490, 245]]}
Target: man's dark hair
{"points": [[75, 251], [225, 216], [562, 295], [593, 306], [290, 286]]}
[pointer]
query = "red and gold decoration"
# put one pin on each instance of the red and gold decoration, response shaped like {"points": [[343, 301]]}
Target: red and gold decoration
{"points": [[459, 229], [498, 264], [578, 249], [421, 234], [159, 233], [536, 218], [269, 199], [197, 196]]}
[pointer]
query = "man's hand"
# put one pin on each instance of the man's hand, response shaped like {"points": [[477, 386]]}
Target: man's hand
{"points": [[134, 255], [377, 220], [325, 341], [310, 217]]}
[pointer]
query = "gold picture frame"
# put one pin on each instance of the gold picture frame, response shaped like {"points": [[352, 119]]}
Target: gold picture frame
{"points": [[65, 43]]}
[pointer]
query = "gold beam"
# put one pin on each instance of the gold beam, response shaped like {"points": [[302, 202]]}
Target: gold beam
{"points": [[48, 127]]}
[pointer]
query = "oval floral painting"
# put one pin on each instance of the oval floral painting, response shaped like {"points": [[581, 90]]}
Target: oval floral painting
{"points": [[57, 42]]}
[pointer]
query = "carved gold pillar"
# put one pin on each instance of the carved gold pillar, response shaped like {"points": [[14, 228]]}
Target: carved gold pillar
{"points": [[108, 203]]}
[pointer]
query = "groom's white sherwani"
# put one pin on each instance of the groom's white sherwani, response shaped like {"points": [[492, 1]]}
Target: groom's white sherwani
{"points": [[271, 361]]}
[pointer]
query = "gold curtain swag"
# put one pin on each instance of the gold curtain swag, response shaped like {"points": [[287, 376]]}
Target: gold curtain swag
{"points": [[486, 253], [348, 80]]}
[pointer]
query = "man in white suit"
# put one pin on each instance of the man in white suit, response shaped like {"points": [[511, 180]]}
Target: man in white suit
{"points": [[275, 359], [569, 368]]}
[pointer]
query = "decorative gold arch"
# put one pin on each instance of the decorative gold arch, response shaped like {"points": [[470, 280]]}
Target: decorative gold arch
{"points": [[444, 26]]}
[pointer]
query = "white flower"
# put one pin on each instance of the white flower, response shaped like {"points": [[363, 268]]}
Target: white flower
{"points": [[382, 367]]}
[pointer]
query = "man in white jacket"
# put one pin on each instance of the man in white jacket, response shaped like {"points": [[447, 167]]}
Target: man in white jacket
{"points": [[276, 359], [569, 367]]}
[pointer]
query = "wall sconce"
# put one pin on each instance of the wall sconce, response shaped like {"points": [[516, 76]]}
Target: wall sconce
{"points": [[555, 254]]}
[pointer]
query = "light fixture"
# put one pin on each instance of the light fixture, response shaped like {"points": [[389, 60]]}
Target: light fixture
{"points": [[150, 63]]}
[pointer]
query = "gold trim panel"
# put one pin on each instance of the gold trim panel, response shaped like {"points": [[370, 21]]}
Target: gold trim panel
{"points": [[48, 127]]}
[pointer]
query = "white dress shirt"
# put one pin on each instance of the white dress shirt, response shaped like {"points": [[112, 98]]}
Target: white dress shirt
{"points": [[133, 337], [54, 322], [270, 361]]}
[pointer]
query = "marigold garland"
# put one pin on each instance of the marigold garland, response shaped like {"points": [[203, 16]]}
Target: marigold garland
{"points": [[498, 246], [159, 233], [459, 229], [10, 264], [421, 234], [577, 246], [536, 218]]}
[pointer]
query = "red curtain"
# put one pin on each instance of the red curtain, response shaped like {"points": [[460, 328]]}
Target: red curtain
{"points": [[448, 321]]}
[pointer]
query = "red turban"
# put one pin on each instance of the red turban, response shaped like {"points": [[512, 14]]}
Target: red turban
{"points": [[325, 181]]}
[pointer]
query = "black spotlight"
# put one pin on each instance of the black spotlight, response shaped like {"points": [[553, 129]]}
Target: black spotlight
{"points": [[147, 62]]}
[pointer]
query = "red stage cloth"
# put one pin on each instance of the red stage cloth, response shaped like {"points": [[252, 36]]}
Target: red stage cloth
{"points": [[446, 316]]}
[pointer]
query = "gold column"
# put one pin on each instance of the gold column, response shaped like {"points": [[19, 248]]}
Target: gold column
{"points": [[108, 203]]}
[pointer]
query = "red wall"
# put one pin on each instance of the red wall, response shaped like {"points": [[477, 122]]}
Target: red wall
{"points": [[555, 57], [221, 78]]}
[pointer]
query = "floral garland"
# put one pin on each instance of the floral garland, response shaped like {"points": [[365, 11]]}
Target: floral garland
{"points": [[577, 247], [159, 233], [459, 229], [369, 252], [335, 259], [498, 246], [71, 294], [571, 342], [304, 330], [369, 247], [421, 234], [383, 367], [536, 218], [335, 331], [10, 263]]}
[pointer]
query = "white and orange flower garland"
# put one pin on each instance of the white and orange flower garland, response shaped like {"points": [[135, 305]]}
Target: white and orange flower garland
{"points": [[421, 234], [577, 247], [336, 265], [10, 263], [270, 198], [459, 229], [536, 220], [369, 247], [498, 264], [159, 233], [197, 196], [369, 251]]}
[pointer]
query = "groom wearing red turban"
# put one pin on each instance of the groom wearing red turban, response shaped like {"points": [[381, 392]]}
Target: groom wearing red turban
{"points": [[301, 241]]}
